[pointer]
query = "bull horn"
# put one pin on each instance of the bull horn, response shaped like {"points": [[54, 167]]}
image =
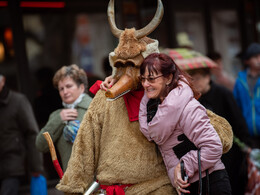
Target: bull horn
{"points": [[111, 19], [139, 33], [153, 24]]}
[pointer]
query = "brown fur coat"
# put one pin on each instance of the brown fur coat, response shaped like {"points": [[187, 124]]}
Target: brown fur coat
{"points": [[114, 148]]}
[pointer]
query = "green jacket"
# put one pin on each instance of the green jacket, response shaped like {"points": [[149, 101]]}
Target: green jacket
{"points": [[55, 128]]}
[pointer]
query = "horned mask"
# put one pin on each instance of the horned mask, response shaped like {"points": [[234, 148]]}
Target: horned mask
{"points": [[133, 47]]}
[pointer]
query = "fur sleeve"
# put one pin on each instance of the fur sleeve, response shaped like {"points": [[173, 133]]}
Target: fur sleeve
{"points": [[83, 161]]}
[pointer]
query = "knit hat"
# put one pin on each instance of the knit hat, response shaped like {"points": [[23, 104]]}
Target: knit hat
{"points": [[252, 50]]}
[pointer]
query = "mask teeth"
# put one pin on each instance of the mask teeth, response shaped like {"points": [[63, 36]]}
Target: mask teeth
{"points": [[120, 95]]}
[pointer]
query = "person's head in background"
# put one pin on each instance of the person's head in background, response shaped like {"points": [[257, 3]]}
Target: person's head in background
{"points": [[2, 82], [217, 58], [201, 79], [71, 82], [252, 58]]}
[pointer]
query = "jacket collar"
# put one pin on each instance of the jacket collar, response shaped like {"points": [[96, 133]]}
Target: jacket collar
{"points": [[84, 102]]}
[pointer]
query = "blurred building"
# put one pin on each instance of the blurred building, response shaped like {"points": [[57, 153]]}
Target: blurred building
{"points": [[49, 34], [37, 34]]}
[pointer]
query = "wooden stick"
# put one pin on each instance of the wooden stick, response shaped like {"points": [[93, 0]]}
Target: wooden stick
{"points": [[51, 146], [53, 154]]}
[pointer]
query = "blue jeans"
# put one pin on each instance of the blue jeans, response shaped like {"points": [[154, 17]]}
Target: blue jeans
{"points": [[9, 186]]}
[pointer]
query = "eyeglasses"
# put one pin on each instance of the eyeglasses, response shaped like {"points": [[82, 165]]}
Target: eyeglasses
{"points": [[149, 79]]}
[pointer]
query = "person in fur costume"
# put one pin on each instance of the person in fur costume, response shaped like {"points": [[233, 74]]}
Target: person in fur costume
{"points": [[109, 147]]}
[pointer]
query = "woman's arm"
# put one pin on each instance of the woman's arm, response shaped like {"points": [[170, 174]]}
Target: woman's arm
{"points": [[196, 126]]}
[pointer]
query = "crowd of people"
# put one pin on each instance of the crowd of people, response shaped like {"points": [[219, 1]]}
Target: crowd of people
{"points": [[149, 128], [168, 91]]}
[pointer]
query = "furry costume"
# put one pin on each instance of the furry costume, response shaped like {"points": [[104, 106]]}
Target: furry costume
{"points": [[108, 146], [117, 151]]}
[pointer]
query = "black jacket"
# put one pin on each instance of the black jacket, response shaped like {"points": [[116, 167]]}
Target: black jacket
{"points": [[18, 130], [221, 101]]}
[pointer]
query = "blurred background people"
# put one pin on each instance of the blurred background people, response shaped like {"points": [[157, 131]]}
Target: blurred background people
{"points": [[219, 75], [18, 130], [247, 92], [221, 101], [63, 124], [46, 101], [47, 98]]}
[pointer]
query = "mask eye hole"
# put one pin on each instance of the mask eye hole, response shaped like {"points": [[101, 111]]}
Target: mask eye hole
{"points": [[126, 64], [119, 64], [129, 64]]}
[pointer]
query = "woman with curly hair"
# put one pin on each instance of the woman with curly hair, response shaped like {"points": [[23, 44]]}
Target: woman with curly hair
{"points": [[63, 124]]}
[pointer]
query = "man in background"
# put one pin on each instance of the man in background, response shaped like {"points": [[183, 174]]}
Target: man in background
{"points": [[18, 130], [219, 75], [247, 92]]}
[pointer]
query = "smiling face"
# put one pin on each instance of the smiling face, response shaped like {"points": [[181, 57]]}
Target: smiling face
{"points": [[154, 84], [69, 90]]}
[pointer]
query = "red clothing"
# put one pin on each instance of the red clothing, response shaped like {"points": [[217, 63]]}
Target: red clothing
{"points": [[132, 100]]}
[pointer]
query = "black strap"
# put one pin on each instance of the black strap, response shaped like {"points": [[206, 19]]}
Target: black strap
{"points": [[207, 182], [200, 177]]}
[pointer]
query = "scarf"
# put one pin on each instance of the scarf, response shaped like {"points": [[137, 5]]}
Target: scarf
{"points": [[74, 104]]}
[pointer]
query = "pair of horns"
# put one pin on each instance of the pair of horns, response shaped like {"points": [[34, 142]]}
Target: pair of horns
{"points": [[139, 33]]}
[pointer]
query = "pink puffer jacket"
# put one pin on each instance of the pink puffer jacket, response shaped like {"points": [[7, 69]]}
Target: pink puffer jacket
{"points": [[181, 113]]}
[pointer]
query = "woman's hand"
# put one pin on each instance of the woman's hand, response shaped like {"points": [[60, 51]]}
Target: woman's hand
{"points": [[179, 183], [107, 83], [68, 114]]}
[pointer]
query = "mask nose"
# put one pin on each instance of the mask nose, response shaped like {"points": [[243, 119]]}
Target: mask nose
{"points": [[124, 84]]}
